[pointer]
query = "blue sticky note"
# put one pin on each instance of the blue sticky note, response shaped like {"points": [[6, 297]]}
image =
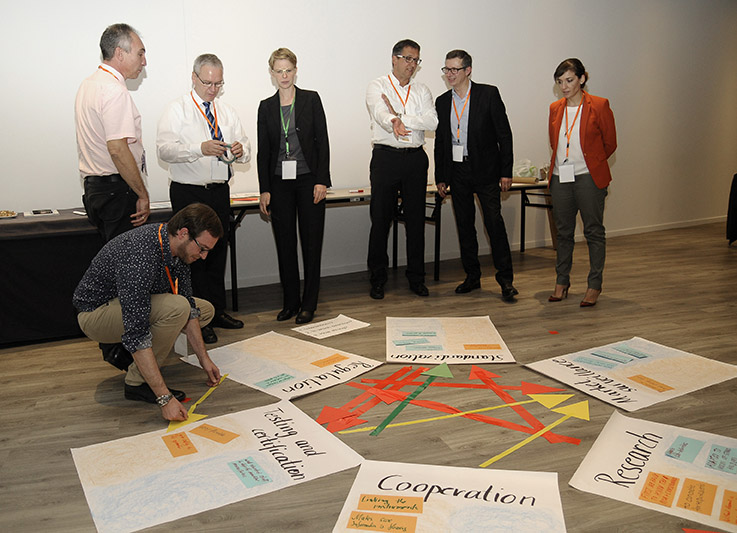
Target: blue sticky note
{"points": [[273, 380], [419, 334], [631, 351], [406, 342], [684, 449], [612, 356], [424, 347], [249, 472], [723, 459], [595, 361]]}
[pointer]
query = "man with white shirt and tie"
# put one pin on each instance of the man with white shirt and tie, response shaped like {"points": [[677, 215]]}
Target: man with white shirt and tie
{"points": [[200, 139], [400, 113]]}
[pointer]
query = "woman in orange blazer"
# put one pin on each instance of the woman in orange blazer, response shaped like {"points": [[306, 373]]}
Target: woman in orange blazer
{"points": [[582, 136]]}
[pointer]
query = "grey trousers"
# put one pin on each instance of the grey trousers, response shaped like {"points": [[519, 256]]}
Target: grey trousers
{"points": [[568, 199], [169, 315]]}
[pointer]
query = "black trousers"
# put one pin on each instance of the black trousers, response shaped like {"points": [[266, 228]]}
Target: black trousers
{"points": [[292, 203], [393, 172], [208, 275], [109, 203], [463, 186]]}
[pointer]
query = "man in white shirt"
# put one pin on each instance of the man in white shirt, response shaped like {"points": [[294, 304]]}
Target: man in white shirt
{"points": [[400, 114], [200, 139], [112, 161]]}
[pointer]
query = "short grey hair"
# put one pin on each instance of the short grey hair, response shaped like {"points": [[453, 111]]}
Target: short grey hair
{"points": [[206, 59], [116, 36]]}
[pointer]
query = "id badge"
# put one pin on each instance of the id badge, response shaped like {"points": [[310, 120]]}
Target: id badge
{"points": [[566, 173], [289, 170], [458, 153]]}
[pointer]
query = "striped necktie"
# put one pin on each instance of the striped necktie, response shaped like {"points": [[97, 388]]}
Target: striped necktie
{"points": [[211, 123]]}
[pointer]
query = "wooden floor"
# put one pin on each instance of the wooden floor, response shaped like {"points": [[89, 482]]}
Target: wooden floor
{"points": [[675, 287]]}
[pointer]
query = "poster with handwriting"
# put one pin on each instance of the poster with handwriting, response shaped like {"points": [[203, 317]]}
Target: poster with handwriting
{"points": [[635, 373], [154, 478], [468, 340], [678, 471], [286, 367], [415, 498]]}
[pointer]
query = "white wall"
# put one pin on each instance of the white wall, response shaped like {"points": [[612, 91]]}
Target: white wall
{"points": [[667, 67]]}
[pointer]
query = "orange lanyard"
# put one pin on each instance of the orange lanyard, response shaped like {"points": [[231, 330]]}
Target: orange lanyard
{"points": [[106, 70], [404, 102], [458, 130], [214, 111], [174, 284], [570, 132]]}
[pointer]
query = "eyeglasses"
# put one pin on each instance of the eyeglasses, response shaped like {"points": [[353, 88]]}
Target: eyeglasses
{"points": [[452, 70], [283, 71], [203, 250], [408, 59], [209, 84]]}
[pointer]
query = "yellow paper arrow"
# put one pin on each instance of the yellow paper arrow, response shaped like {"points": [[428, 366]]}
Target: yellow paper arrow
{"points": [[577, 410], [191, 415]]}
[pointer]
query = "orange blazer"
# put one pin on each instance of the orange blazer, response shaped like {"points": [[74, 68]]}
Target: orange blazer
{"points": [[598, 135]]}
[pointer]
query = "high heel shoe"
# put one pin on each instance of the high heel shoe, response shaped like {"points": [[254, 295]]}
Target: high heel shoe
{"points": [[554, 298], [589, 303]]}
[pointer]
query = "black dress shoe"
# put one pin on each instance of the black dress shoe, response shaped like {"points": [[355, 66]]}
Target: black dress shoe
{"points": [[468, 285], [116, 355], [509, 292], [143, 393], [208, 335], [225, 321], [419, 289], [285, 314], [377, 291], [304, 317]]}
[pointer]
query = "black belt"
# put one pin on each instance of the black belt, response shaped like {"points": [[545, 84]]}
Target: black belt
{"points": [[110, 178], [211, 185], [387, 148]]}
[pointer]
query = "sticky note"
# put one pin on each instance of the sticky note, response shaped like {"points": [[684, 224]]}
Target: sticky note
{"points": [[391, 503], [650, 383], [382, 522], [327, 361], [274, 380], [223, 436], [631, 351], [482, 347], [685, 449], [723, 459], [179, 444], [611, 356], [585, 359], [406, 342], [249, 472], [419, 334], [728, 512], [697, 496], [659, 489], [424, 347]]}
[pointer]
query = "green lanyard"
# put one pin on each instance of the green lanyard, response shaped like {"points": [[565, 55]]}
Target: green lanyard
{"points": [[285, 127]]}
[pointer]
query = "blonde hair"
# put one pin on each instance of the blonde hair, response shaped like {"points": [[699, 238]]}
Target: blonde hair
{"points": [[282, 53]]}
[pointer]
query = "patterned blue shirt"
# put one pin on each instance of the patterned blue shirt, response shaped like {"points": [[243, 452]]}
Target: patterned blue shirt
{"points": [[131, 267]]}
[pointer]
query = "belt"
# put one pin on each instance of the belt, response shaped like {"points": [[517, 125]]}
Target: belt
{"points": [[387, 148], [211, 185], [110, 178]]}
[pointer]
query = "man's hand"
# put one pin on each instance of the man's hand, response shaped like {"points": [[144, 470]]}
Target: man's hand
{"points": [[263, 203], [399, 129], [505, 184], [237, 149], [143, 210], [442, 189], [319, 192], [174, 410], [212, 371], [214, 148]]}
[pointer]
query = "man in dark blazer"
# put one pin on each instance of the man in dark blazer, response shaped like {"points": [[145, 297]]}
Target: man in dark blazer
{"points": [[473, 155]]}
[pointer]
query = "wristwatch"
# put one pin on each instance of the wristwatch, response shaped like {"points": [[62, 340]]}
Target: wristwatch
{"points": [[164, 399]]}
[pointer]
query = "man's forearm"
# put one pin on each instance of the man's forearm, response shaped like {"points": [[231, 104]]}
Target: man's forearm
{"points": [[149, 368], [126, 165]]}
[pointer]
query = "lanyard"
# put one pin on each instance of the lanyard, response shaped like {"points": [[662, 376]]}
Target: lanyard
{"points": [[106, 70], [284, 126], [404, 102], [570, 132], [174, 284], [215, 112], [468, 94]]}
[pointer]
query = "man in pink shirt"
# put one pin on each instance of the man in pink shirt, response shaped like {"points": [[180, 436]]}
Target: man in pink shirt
{"points": [[112, 161]]}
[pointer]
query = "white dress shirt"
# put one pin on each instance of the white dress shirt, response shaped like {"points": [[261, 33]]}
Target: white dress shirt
{"points": [[418, 115], [181, 132]]}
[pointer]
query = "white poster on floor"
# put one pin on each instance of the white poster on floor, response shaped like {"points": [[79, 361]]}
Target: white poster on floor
{"points": [[333, 326], [286, 367], [468, 340], [154, 478], [415, 498], [635, 373], [678, 471]]}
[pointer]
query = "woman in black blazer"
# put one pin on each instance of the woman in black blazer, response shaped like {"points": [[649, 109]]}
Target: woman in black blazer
{"points": [[293, 175]]}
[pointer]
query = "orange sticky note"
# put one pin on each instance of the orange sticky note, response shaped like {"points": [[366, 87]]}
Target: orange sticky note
{"points": [[382, 522], [697, 496], [335, 358], [650, 383], [394, 504], [660, 489], [729, 507], [223, 436], [482, 347], [179, 444]]}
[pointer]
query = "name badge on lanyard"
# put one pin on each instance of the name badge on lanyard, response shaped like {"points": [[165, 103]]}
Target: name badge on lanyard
{"points": [[289, 169], [458, 148], [288, 166], [566, 173], [457, 153]]}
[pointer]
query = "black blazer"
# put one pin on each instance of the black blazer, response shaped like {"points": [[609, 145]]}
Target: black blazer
{"points": [[489, 136], [312, 132]]}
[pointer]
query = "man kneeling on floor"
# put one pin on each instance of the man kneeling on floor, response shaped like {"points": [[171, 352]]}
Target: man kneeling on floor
{"points": [[138, 290]]}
